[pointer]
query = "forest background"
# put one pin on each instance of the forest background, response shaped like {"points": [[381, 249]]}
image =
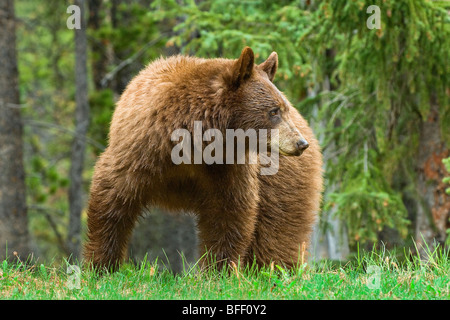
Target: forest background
{"points": [[377, 97]]}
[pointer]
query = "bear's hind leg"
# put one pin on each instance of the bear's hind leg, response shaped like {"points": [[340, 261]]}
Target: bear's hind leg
{"points": [[112, 212]]}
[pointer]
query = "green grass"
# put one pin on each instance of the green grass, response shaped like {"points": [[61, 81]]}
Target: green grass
{"points": [[372, 275]]}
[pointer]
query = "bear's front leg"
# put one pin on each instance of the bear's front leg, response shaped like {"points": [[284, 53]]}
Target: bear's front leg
{"points": [[225, 236], [227, 222]]}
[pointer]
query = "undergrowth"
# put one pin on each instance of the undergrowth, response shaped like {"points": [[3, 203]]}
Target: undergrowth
{"points": [[377, 274]]}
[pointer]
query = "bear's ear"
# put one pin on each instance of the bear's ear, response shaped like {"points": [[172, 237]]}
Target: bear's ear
{"points": [[270, 66], [243, 67]]}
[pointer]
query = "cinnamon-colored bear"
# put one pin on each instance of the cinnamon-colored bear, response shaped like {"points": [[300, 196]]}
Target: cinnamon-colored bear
{"points": [[242, 214]]}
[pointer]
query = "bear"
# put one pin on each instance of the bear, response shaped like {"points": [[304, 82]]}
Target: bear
{"points": [[243, 217]]}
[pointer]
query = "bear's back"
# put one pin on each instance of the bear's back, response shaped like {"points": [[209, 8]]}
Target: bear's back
{"points": [[178, 69], [169, 94]]}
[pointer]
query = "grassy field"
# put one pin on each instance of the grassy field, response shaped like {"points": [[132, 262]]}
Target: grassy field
{"points": [[372, 275]]}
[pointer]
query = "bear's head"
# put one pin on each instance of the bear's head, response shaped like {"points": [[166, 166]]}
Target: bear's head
{"points": [[256, 103]]}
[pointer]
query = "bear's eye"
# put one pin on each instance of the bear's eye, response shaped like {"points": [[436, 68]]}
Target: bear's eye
{"points": [[274, 112]]}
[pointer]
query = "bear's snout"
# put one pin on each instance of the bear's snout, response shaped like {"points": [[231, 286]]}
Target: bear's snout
{"points": [[291, 141], [301, 145]]}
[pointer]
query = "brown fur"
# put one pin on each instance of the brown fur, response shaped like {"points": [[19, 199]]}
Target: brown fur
{"points": [[241, 214]]}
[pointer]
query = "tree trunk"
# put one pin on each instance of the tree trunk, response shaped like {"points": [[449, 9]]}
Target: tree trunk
{"points": [[101, 49], [14, 234], [433, 204], [333, 243], [79, 143]]}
